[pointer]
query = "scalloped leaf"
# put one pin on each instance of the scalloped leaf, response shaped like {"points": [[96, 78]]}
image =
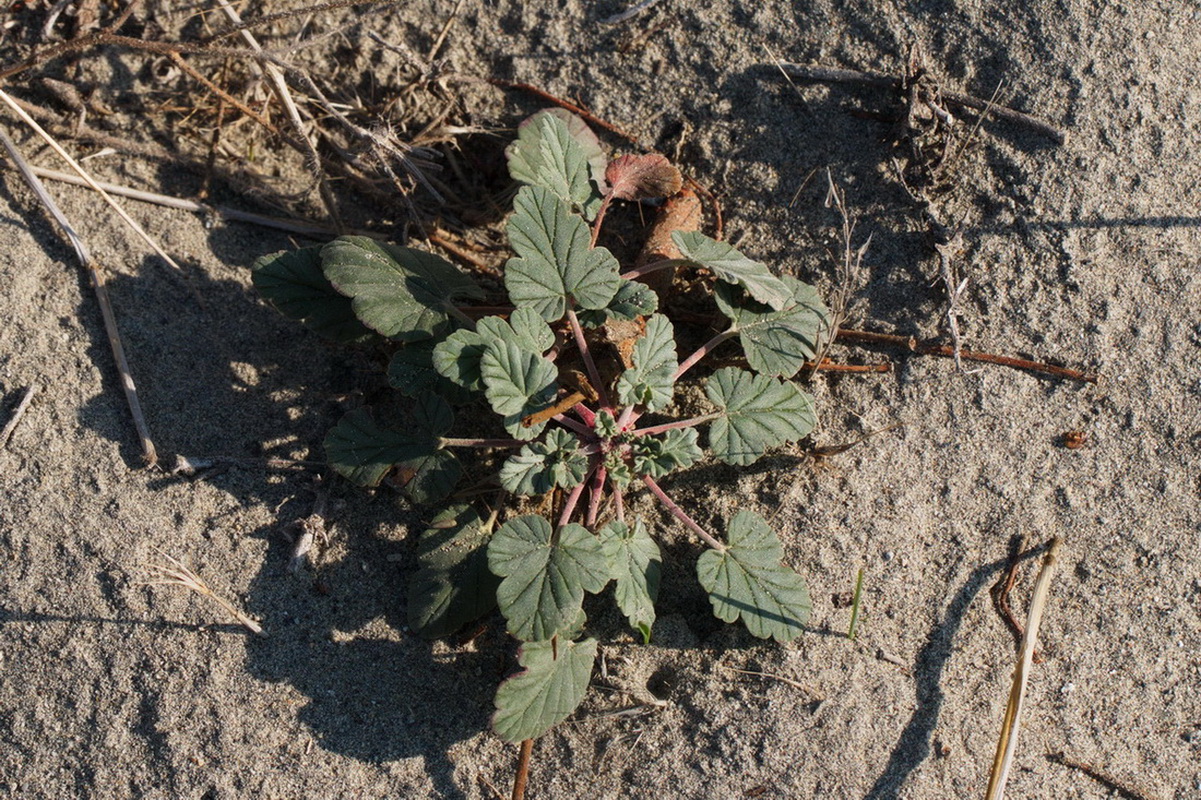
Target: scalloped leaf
{"points": [[777, 342], [411, 371], [554, 261], [651, 381], [758, 412], [732, 266], [635, 177], [516, 381], [633, 300], [637, 567], [397, 291], [457, 358], [541, 466], [544, 578], [363, 452], [556, 151], [657, 455], [292, 282], [747, 580], [453, 584], [524, 327], [546, 692]]}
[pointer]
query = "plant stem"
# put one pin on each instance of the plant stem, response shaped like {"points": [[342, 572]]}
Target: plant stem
{"points": [[855, 606], [600, 217], [574, 498], [627, 418], [655, 266], [586, 414], [446, 441], [462, 317], [589, 364], [619, 503], [680, 423], [523, 769], [679, 514], [572, 425], [597, 493], [705, 349]]}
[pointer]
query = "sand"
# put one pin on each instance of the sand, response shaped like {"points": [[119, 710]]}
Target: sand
{"points": [[1085, 255]]}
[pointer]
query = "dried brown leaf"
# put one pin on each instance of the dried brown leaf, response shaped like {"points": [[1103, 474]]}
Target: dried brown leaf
{"points": [[635, 177]]}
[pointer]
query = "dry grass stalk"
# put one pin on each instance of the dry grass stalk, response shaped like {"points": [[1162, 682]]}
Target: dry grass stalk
{"points": [[176, 574], [149, 454], [1008, 740], [18, 412]]}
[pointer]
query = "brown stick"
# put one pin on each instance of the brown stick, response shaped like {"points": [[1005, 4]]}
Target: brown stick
{"points": [[1104, 778], [523, 769], [932, 349], [572, 107], [18, 412], [835, 75]]}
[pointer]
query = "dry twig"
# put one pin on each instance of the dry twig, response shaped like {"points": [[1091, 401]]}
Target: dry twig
{"points": [[18, 412], [176, 574], [149, 454]]}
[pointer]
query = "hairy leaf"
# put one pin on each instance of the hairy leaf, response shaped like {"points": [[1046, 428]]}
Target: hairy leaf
{"points": [[777, 342], [650, 382], [363, 452], [554, 262], [758, 412], [547, 155], [548, 690], [457, 358], [412, 371], [541, 466], [293, 282], [544, 578], [636, 566], [747, 580], [524, 328], [516, 380], [398, 291], [637, 177], [657, 455], [732, 266], [633, 300], [453, 584]]}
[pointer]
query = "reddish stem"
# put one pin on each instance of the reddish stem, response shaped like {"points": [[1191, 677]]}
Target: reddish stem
{"points": [[705, 349], [680, 423], [594, 499], [593, 373], [680, 514]]}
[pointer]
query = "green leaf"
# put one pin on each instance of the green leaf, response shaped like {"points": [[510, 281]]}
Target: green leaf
{"points": [[657, 455], [651, 381], [555, 261], [605, 425], [636, 566], [548, 690], [758, 412], [732, 266], [293, 282], [544, 578], [633, 300], [524, 328], [541, 466], [453, 584], [398, 291], [457, 358], [747, 580], [412, 371], [557, 152], [363, 452], [777, 342], [516, 381]]}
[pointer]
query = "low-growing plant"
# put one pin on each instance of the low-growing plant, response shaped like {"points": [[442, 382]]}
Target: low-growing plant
{"points": [[578, 370]]}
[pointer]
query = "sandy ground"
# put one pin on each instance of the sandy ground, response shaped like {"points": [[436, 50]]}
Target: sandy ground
{"points": [[1085, 254]]}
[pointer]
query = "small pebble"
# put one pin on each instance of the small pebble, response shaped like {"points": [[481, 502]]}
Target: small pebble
{"points": [[888, 555]]}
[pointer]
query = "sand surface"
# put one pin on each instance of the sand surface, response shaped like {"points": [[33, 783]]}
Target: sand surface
{"points": [[1084, 254]]}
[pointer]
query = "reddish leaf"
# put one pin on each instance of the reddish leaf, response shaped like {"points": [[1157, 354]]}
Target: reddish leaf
{"points": [[636, 177]]}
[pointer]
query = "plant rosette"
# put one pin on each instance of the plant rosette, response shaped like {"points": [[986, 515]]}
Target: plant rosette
{"points": [[570, 413]]}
